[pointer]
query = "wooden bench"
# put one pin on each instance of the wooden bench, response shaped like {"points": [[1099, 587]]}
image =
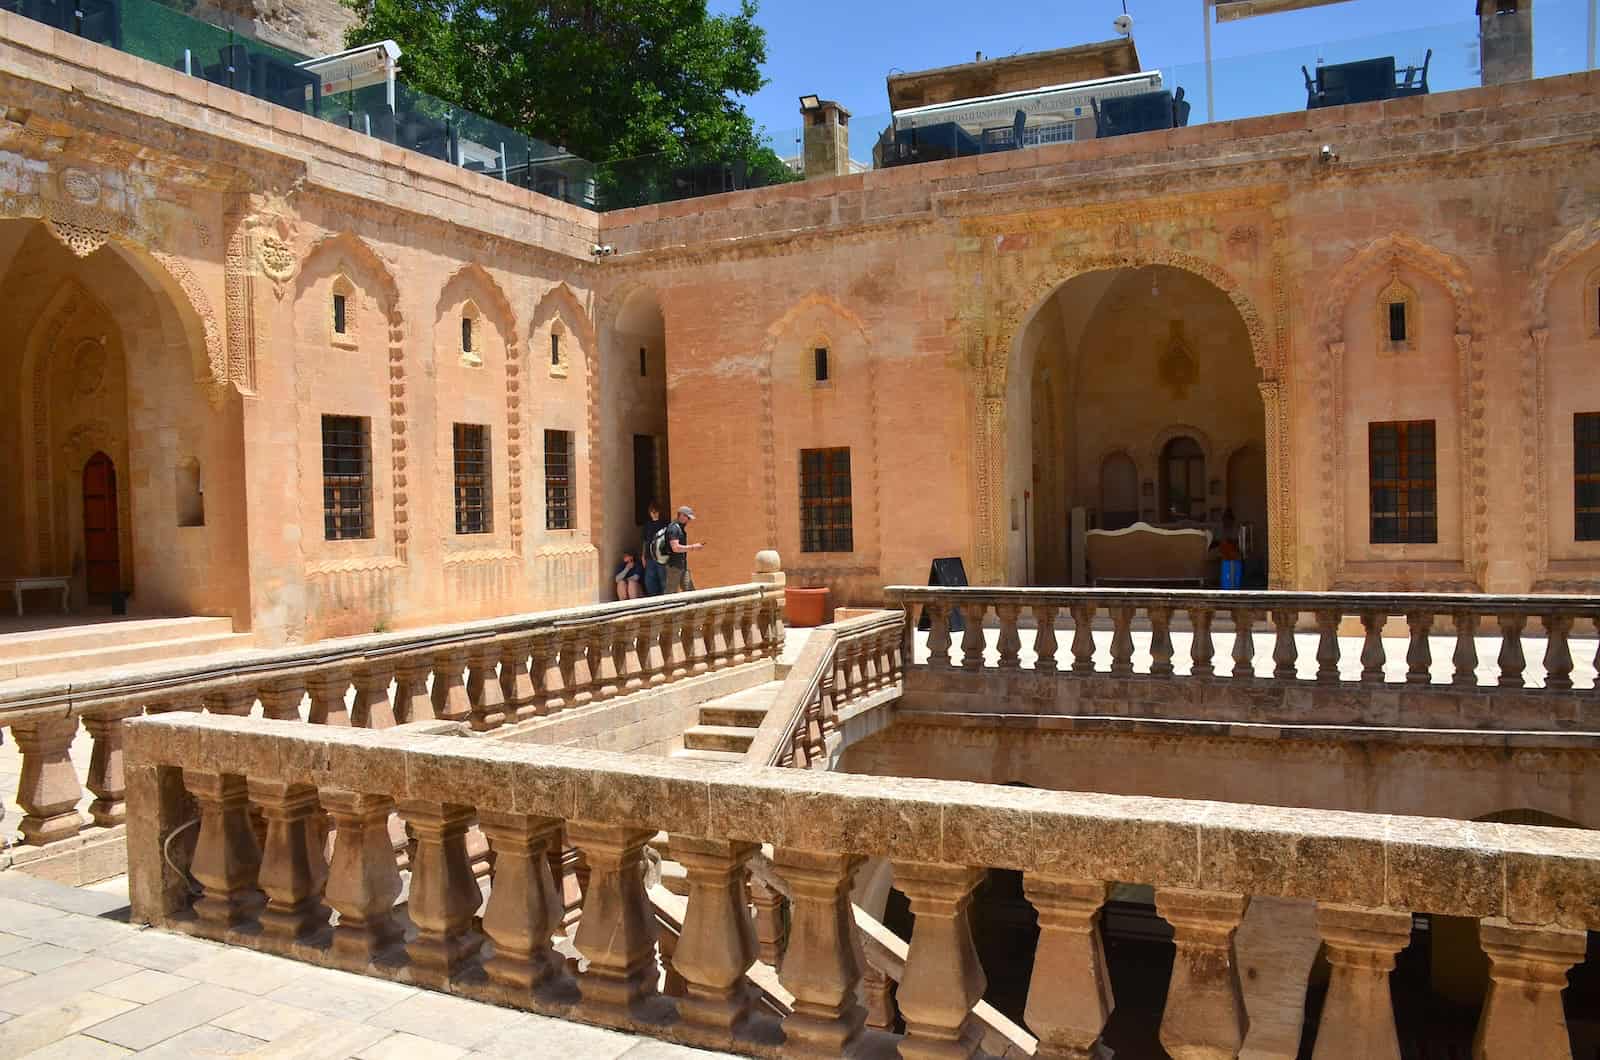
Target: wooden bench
{"points": [[1145, 555], [18, 586]]}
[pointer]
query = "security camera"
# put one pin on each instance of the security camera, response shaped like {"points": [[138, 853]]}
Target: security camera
{"points": [[602, 250], [1328, 155], [1123, 24]]}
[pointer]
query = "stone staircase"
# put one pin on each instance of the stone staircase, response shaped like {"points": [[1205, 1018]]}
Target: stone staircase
{"points": [[44, 652], [728, 725]]}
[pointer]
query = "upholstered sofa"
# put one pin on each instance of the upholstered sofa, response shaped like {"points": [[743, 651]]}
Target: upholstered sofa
{"points": [[1147, 555]]}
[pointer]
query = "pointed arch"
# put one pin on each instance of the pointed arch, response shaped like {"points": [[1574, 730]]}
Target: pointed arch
{"points": [[473, 282]]}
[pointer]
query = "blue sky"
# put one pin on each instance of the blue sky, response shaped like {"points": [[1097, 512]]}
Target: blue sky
{"points": [[843, 49]]}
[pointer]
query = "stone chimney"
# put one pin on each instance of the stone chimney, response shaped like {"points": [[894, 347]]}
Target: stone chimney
{"points": [[827, 138], [1505, 40]]}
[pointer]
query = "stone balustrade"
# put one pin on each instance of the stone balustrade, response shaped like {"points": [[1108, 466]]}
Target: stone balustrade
{"points": [[486, 674], [1465, 665], [843, 668], [262, 881]]}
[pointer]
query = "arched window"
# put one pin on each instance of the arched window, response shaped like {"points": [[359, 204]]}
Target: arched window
{"points": [[342, 312], [1183, 481], [560, 351], [471, 337], [1119, 491], [1398, 317]]}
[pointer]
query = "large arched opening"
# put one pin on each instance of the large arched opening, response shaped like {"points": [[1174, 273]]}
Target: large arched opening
{"points": [[633, 438], [1133, 396]]}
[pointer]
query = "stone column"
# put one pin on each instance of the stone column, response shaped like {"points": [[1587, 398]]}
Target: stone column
{"points": [[226, 858], [718, 943], [372, 709], [450, 699], [48, 789], [488, 703], [1358, 1015], [943, 978], [363, 882], [524, 908], [293, 872], [1522, 1013], [327, 699], [444, 893], [617, 931], [819, 967], [105, 766], [1069, 998], [1204, 1018]]}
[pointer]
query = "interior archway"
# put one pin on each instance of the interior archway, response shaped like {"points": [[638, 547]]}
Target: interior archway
{"points": [[634, 438], [1134, 382]]}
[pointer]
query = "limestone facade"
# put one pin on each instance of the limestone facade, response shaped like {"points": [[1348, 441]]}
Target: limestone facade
{"points": [[997, 329]]}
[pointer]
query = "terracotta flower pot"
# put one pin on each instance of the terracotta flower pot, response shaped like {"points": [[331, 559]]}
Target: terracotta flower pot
{"points": [[805, 607]]}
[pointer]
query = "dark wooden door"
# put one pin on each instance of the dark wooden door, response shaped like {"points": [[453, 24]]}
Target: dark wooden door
{"points": [[100, 540]]}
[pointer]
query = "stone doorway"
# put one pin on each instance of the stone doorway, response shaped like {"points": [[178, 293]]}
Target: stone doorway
{"points": [[102, 547]]}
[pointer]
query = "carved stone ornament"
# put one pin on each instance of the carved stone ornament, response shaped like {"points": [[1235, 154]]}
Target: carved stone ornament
{"points": [[80, 186], [89, 366], [276, 257]]}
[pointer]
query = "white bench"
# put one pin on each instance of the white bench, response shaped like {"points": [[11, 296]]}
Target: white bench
{"points": [[18, 586]]}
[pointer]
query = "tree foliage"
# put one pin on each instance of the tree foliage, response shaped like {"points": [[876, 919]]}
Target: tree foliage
{"points": [[606, 79]]}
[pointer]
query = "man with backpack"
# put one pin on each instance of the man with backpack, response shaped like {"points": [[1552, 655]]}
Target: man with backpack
{"points": [[655, 573], [671, 547]]}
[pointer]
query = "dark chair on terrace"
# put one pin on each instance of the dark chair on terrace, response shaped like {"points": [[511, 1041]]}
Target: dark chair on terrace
{"points": [[932, 143], [285, 84], [427, 136], [1364, 81], [232, 68], [1141, 112], [100, 21]]}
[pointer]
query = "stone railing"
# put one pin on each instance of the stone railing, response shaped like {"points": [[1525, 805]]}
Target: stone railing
{"points": [[843, 667], [253, 874], [487, 674], [1463, 655]]}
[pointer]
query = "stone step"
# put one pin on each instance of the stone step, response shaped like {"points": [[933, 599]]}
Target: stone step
{"points": [[724, 757], [718, 738], [97, 636], [126, 655], [723, 713], [675, 878]]}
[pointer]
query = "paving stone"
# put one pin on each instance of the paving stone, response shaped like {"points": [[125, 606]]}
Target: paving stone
{"points": [[653, 1050], [145, 986], [52, 1023], [158, 950], [83, 933], [267, 1020], [14, 914], [40, 957], [48, 988], [440, 1018], [409, 1047], [21, 887], [246, 970], [79, 1047], [543, 1036], [11, 975], [346, 995], [322, 1039], [204, 1041], [160, 1020], [10, 943], [6, 1016]]}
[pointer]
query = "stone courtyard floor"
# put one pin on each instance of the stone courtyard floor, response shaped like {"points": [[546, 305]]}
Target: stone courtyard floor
{"points": [[77, 981]]}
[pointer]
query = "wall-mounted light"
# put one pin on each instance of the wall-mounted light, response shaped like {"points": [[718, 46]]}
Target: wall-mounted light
{"points": [[1328, 155], [810, 102]]}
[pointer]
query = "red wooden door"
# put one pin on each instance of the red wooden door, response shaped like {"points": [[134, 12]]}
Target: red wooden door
{"points": [[104, 564]]}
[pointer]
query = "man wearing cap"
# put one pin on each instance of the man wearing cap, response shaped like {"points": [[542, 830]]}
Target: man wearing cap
{"points": [[678, 579]]}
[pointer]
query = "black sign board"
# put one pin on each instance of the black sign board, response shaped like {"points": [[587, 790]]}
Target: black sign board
{"points": [[947, 573]]}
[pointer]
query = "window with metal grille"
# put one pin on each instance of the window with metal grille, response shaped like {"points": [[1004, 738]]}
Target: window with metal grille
{"points": [[825, 514], [1403, 477], [346, 478], [1397, 322], [474, 504], [466, 334], [558, 480], [338, 314], [1586, 475], [821, 355]]}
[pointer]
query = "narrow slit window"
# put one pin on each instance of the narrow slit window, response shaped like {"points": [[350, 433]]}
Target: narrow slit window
{"points": [[1404, 483], [346, 478], [642, 370], [474, 510], [558, 480], [826, 518], [1586, 475], [555, 349], [1397, 322], [466, 334], [821, 355], [339, 322]]}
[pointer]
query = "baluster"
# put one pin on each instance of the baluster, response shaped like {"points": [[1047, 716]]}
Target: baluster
{"points": [[293, 871], [695, 634], [412, 700], [775, 638], [281, 702], [754, 637], [1512, 661], [444, 893], [943, 978], [884, 644], [652, 661], [524, 907], [106, 780], [617, 931], [372, 709], [1010, 642], [1522, 1013], [603, 660], [226, 858], [1044, 641], [860, 679], [1557, 651], [234, 702], [516, 680], [1419, 653], [484, 693], [867, 652], [363, 882], [972, 642], [717, 650], [674, 646], [327, 690], [1244, 644], [1201, 650], [632, 665], [558, 673], [48, 789], [877, 997], [1285, 652], [577, 669], [769, 905], [818, 707], [1372, 656], [1160, 641], [738, 650], [1465, 658], [1358, 1015], [938, 635], [717, 944], [1083, 638], [1122, 641], [819, 967], [532, 694], [1328, 647], [1205, 1008], [1069, 997]]}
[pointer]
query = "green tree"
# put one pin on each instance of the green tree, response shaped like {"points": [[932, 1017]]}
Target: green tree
{"points": [[645, 87]]}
